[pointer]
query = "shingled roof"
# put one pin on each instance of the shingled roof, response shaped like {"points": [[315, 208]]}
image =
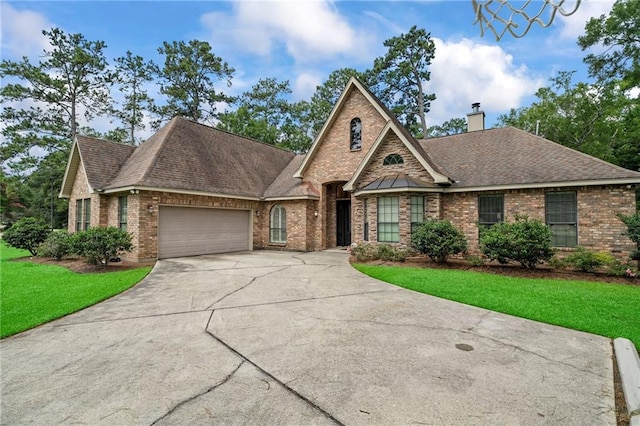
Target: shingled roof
{"points": [[187, 156], [508, 157]]}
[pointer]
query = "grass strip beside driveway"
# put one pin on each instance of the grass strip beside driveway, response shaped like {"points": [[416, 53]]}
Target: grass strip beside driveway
{"points": [[611, 310], [33, 294]]}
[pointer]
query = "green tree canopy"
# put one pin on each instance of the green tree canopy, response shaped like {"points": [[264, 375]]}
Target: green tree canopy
{"points": [[450, 127], [401, 75], [70, 78], [618, 38], [187, 79]]}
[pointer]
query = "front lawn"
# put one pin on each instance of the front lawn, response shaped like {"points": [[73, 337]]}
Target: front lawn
{"points": [[33, 294], [611, 310]]}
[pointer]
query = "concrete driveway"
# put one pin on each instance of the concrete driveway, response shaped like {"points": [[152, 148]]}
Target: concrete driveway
{"points": [[298, 338]]}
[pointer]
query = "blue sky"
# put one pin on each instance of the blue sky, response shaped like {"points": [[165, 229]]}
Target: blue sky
{"points": [[303, 41]]}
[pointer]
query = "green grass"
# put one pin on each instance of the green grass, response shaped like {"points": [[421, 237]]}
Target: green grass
{"points": [[32, 294], [611, 310]]}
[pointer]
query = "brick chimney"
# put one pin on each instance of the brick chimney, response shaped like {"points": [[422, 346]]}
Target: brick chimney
{"points": [[475, 119]]}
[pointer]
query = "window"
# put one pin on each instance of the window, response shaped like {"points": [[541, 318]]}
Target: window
{"points": [[392, 159], [561, 214], [78, 215], [278, 225], [490, 210], [417, 211], [388, 223], [356, 134], [87, 213], [122, 213], [365, 217]]}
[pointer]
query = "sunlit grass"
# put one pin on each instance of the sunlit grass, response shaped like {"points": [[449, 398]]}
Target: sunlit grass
{"points": [[32, 294]]}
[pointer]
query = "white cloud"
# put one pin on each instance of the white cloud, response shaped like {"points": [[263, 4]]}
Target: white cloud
{"points": [[22, 31], [305, 85], [465, 72], [310, 30], [573, 25]]}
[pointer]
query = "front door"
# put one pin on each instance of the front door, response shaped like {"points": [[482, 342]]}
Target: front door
{"points": [[343, 219]]}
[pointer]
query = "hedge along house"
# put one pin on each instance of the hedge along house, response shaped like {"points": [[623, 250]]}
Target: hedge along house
{"points": [[192, 189]]}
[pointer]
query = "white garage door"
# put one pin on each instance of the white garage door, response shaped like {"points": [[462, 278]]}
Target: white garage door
{"points": [[184, 231]]}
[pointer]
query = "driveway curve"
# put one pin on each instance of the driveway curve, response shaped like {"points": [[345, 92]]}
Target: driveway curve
{"points": [[298, 338]]}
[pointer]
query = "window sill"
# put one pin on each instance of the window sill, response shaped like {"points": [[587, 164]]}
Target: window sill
{"points": [[277, 244]]}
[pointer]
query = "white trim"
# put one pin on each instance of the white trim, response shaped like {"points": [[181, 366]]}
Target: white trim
{"points": [[295, 197], [390, 126], [178, 191], [74, 150], [353, 82]]}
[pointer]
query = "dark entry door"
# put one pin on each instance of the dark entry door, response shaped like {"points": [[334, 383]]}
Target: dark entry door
{"points": [[343, 216]]}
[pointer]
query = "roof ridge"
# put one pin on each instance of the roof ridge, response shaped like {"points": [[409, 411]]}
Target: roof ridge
{"points": [[233, 134]]}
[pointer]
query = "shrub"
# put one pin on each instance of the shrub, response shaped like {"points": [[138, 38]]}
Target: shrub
{"points": [[390, 253], [633, 232], [373, 251], [475, 260], [99, 245], [588, 261], [526, 241], [438, 239], [27, 233], [57, 245]]}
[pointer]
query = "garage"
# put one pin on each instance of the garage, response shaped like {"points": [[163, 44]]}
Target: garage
{"points": [[186, 231]]}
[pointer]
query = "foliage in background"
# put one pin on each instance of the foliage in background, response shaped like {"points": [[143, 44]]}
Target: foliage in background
{"points": [[438, 239], [401, 76], [27, 234], [450, 127], [526, 241], [188, 78], [100, 244]]}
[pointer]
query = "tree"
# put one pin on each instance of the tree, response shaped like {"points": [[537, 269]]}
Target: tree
{"points": [[27, 234], [401, 77], [327, 94], [131, 74], [71, 77], [187, 79], [265, 114], [453, 126], [619, 36], [585, 117], [12, 203]]}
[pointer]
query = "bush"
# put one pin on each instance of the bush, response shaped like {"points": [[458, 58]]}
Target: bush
{"points": [[438, 239], [27, 233], [57, 245], [526, 241], [475, 260], [633, 232], [373, 251], [99, 245], [588, 261]]}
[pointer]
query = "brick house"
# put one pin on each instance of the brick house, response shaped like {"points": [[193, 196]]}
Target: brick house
{"points": [[191, 189]]}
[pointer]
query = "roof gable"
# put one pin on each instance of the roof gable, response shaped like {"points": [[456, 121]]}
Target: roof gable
{"points": [[509, 157], [101, 161], [410, 143], [352, 84]]}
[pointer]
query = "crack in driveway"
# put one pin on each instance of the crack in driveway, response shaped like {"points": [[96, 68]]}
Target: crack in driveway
{"points": [[198, 395]]}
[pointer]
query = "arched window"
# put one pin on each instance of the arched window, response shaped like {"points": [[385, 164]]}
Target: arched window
{"points": [[356, 134], [278, 225], [392, 159]]}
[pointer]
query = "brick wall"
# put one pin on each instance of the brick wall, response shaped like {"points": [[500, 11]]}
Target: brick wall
{"points": [[598, 226], [81, 191]]}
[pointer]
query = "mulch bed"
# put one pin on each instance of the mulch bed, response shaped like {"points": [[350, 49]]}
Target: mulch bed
{"points": [[512, 270], [82, 267]]}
